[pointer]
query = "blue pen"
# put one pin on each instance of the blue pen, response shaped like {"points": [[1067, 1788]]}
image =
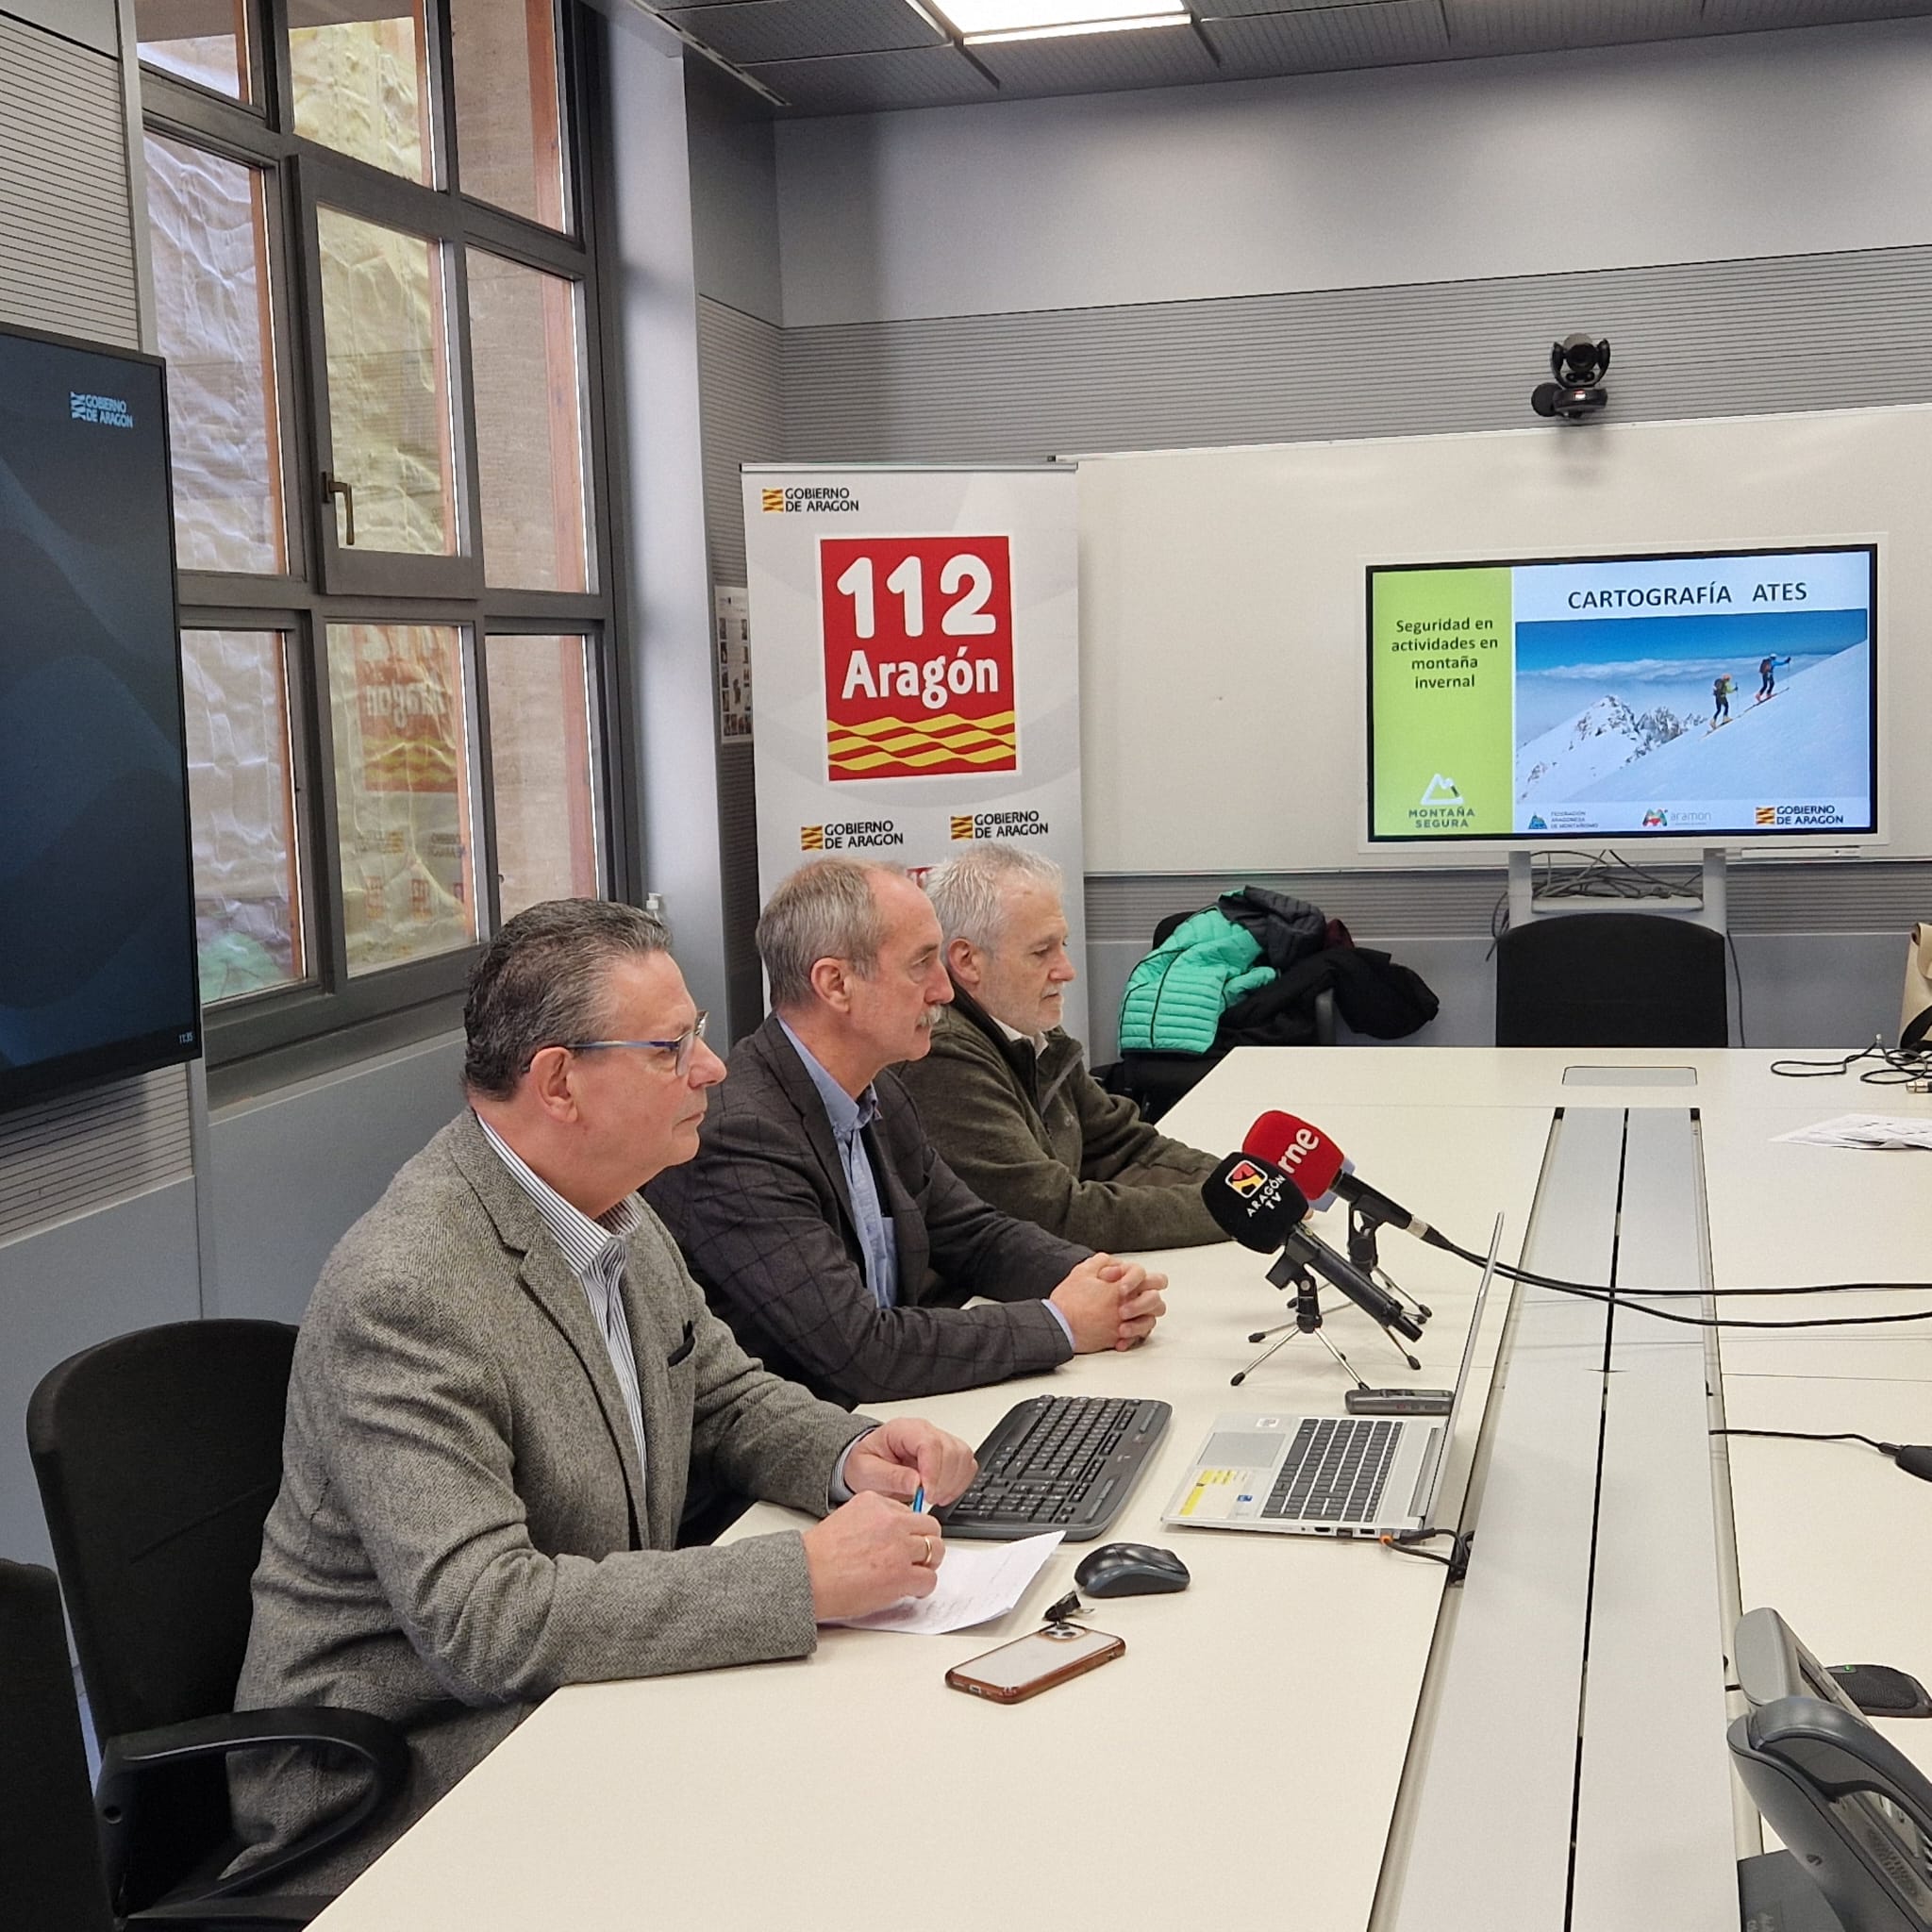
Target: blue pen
{"points": [[919, 1499]]}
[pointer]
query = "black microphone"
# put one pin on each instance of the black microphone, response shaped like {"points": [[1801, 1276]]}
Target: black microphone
{"points": [[1255, 1201]]}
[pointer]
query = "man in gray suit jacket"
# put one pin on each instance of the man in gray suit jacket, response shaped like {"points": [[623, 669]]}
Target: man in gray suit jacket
{"points": [[504, 1382], [823, 1226]]}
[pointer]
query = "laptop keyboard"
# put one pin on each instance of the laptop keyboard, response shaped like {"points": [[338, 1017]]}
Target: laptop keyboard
{"points": [[1335, 1471], [1065, 1463]]}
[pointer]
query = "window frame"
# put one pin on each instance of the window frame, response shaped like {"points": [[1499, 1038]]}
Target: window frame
{"points": [[328, 1012]]}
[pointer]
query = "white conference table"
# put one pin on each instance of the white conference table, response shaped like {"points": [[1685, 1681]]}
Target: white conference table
{"points": [[1312, 1730]]}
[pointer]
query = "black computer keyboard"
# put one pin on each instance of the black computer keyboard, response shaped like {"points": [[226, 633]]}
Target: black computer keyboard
{"points": [[1065, 1463]]}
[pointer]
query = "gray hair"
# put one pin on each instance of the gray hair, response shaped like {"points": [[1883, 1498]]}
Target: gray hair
{"points": [[543, 981], [969, 892], [825, 910]]}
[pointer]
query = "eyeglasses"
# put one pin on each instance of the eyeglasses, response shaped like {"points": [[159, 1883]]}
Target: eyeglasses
{"points": [[681, 1047]]}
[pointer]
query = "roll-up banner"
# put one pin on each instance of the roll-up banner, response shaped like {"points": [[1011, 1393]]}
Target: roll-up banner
{"points": [[918, 668]]}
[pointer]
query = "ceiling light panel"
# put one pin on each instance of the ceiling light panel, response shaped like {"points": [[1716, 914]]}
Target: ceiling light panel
{"points": [[1075, 26], [972, 17]]}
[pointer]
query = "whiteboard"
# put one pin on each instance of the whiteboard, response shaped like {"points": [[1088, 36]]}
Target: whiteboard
{"points": [[1223, 655]]}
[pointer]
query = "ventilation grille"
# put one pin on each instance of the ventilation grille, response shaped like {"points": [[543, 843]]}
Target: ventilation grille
{"points": [[79, 1152], [66, 233], [739, 378], [1842, 330]]}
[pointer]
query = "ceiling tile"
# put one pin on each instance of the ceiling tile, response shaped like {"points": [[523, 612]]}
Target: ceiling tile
{"points": [[1320, 40], [1525, 26], [1099, 63], [870, 83], [1728, 16], [750, 30]]}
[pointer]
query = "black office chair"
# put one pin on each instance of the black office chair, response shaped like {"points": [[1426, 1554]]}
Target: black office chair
{"points": [[158, 1456], [50, 1859], [1611, 979]]}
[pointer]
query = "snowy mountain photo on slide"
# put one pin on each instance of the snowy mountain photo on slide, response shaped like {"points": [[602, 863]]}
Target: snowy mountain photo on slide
{"points": [[1619, 710]]}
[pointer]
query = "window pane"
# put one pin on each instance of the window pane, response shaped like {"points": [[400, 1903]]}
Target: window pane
{"points": [[530, 432], [403, 790], [360, 70], [202, 41], [212, 313], [247, 894], [386, 336], [509, 122], [544, 771]]}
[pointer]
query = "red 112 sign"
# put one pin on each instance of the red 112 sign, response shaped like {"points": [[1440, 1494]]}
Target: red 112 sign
{"points": [[919, 656]]}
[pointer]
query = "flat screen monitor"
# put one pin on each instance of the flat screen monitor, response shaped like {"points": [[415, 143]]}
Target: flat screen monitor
{"points": [[1719, 697], [98, 970]]}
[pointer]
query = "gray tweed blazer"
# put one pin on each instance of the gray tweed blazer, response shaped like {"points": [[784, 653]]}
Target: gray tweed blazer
{"points": [[765, 1218], [463, 1526]]}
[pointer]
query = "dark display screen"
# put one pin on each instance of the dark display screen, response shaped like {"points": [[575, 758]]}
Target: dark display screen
{"points": [[97, 972]]}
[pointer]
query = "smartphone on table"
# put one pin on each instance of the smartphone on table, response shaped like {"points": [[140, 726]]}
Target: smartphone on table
{"points": [[1031, 1664]]}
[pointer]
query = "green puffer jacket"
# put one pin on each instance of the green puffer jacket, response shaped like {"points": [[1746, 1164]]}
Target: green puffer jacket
{"points": [[1176, 995]]}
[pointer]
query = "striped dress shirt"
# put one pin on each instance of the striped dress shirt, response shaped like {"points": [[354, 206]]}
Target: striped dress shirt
{"points": [[594, 1253]]}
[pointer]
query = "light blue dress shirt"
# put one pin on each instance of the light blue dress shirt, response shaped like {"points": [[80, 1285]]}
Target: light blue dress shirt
{"points": [[849, 1119]]}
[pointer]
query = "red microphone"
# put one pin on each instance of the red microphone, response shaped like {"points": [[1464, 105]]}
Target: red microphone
{"points": [[1320, 1168], [1304, 1152]]}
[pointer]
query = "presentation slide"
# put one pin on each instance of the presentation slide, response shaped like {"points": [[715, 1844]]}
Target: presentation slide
{"points": [[1682, 696]]}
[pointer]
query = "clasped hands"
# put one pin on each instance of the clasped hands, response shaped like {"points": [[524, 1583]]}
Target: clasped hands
{"points": [[875, 1550], [1111, 1303]]}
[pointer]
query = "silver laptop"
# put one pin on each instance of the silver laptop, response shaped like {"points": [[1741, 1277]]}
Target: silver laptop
{"points": [[1327, 1474]]}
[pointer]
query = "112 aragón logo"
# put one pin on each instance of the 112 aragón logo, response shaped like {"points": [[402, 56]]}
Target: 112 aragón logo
{"points": [[918, 655]]}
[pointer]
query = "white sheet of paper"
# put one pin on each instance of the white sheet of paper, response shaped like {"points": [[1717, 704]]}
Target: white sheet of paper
{"points": [[1865, 1130], [976, 1583]]}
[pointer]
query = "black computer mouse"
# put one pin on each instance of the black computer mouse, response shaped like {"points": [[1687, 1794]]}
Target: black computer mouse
{"points": [[1130, 1569]]}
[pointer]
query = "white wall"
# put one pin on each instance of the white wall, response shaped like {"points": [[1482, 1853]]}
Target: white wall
{"points": [[1718, 149]]}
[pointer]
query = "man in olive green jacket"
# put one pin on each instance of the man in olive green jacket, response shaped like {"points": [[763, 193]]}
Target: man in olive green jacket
{"points": [[1005, 1095]]}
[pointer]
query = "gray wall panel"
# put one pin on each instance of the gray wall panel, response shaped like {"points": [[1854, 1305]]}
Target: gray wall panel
{"points": [[79, 1152], [740, 374], [1829, 331], [68, 1288], [91, 23], [1732, 148], [296, 1166], [734, 192], [740, 378], [673, 687]]}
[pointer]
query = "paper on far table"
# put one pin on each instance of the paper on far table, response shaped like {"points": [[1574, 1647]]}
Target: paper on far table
{"points": [[976, 1583], [1865, 1130]]}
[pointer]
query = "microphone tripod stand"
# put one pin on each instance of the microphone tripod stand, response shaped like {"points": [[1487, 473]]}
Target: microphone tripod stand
{"points": [[1362, 1223], [1288, 1271]]}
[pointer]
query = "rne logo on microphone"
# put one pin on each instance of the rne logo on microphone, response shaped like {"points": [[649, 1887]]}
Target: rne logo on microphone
{"points": [[1298, 1150], [1246, 1178]]}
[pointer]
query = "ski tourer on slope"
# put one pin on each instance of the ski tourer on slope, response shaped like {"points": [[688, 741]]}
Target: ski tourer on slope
{"points": [[1722, 687], [1767, 674]]}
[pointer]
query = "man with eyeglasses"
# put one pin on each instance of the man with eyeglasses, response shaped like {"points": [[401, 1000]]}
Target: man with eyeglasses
{"points": [[824, 1228], [506, 1380]]}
